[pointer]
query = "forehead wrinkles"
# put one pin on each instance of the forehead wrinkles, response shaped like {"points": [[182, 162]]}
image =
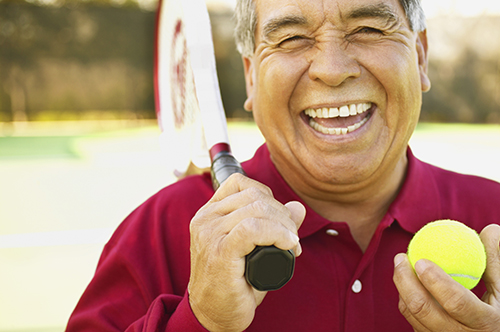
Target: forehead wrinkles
{"points": [[309, 15], [286, 15]]}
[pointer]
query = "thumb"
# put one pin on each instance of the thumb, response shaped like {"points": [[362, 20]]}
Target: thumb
{"points": [[490, 236], [298, 212]]}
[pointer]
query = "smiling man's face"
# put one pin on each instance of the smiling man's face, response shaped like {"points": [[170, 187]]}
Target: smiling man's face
{"points": [[335, 86]]}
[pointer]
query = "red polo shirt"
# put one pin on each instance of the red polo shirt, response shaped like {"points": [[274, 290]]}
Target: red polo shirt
{"points": [[141, 279]]}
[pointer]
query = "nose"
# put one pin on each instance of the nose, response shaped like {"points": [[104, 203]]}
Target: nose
{"points": [[333, 64]]}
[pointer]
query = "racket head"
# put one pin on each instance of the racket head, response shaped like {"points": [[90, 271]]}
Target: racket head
{"points": [[177, 107]]}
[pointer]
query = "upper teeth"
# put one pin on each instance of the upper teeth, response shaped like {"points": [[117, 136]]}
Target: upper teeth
{"points": [[334, 112], [343, 111]]}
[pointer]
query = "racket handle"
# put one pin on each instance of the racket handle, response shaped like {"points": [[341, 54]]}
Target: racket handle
{"points": [[224, 164], [266, 268]]}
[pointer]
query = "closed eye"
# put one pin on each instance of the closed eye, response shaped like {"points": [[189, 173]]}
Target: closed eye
{"points": [[291, 39], [369, 30], [295, 42]]}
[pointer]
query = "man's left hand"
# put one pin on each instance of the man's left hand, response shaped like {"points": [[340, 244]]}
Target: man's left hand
{"points": [[432, 301]]}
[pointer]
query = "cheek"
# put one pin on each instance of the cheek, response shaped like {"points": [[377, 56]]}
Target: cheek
{"points": [[404, 103], [398, 73], [277, 80], [278, 77], [408, 94]]}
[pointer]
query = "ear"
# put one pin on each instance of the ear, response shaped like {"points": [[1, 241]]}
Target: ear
{"points": [[422, 51], [249, 83]]}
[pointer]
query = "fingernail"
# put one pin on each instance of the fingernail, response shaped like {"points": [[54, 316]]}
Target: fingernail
{"points": [[294, 237], [420, 266], [398, 259], [298, 250]]}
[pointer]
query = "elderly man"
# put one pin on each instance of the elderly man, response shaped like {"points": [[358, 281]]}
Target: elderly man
{"points": [[335, 87]]}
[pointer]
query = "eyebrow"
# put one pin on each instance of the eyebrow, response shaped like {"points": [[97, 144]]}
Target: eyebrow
{"points": [[281, 22], [381, 11]]}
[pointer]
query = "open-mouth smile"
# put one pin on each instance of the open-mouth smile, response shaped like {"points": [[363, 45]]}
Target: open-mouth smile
{"points": [[339, 121]]}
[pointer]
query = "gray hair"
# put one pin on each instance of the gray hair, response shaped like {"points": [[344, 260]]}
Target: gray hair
{"points": [[246, 22]]}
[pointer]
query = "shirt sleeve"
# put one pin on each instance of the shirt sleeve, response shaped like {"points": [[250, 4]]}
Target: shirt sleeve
{"points": [[166, 313], [140, 283]]}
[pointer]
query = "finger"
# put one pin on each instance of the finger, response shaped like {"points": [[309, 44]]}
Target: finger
{"points": [[237, 192], [236, 183], [458, 302], [235, 235], [254, 206], [490, 236], [253, 232], [264, 225], [418, 306], [219, 217], [297, 214], [417, 326]]}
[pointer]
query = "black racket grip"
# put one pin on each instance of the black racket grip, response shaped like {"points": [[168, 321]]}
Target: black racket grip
{"points": [[223, 166], [266, 268], [269, 268]]}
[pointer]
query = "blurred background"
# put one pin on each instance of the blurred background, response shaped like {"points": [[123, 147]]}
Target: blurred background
{"points": [[79, 146]]}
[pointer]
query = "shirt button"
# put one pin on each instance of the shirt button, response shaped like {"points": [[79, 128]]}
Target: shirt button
{"points": [[332, 232], [357, 286]]}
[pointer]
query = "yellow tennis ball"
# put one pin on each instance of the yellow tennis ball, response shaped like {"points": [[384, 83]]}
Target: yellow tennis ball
{"points": [[456, 248]]}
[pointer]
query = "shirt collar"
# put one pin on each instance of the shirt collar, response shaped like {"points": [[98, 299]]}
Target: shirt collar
{"points": [[416, 204], [418, 201]]}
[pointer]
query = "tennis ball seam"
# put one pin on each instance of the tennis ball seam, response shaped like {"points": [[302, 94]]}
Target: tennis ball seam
{"points": [[463, 276]]}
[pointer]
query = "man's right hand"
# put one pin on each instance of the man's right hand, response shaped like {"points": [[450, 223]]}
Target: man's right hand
{"points": [[241, 215]]}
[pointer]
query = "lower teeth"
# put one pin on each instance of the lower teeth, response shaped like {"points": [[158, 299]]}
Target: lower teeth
{"points": [[336, 131]]}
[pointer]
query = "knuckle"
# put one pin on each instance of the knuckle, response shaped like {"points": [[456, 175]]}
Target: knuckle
{"points": [[250, 226], [194, 224], [403, 308], [253, 229], [235, 178], [418, 307], [201, 225], [253, 193], [456, 304], [266, 190], [199, 219], [259, 188], [260, 208], [197, 234]]}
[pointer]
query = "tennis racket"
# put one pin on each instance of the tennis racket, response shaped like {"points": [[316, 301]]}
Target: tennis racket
{"points": [[192, 119]]}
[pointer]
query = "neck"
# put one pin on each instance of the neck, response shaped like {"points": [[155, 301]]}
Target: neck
{"points": [[362, 207]]}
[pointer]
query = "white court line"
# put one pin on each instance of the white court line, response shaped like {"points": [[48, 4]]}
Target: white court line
{"points": [[57, 238]]}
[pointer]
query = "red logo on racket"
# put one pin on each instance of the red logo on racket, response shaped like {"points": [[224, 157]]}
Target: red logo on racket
{"points": [[179, 74]]}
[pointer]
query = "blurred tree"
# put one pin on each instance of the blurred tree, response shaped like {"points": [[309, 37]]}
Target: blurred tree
{"points": [[464, 68], [466, 90], [70, 56], [72, 35]]}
